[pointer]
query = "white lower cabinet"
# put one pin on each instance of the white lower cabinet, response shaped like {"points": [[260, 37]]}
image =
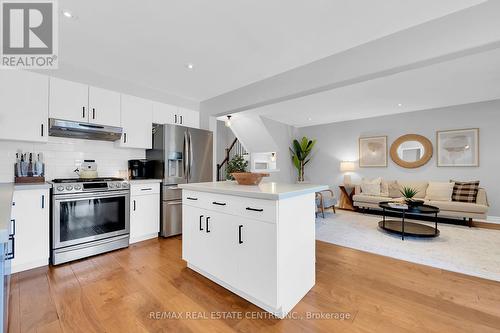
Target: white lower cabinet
{"points": [[260, 249], [144, 212], [238, 251], [220, 243], [30, 218], [257, 271]]}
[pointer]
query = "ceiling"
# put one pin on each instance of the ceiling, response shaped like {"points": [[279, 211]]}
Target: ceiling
{"points": [[231, 43], [464, 80]]}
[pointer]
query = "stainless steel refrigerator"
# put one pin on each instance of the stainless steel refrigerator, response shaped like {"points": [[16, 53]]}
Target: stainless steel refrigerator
{"points": [[179, 155]]}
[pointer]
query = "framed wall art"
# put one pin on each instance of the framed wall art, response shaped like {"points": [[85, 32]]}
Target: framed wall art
{"points": [[458, 148], [373, 152]]}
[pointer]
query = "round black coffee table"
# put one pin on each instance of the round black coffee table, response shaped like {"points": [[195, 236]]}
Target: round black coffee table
{"points": [[409, 228]]}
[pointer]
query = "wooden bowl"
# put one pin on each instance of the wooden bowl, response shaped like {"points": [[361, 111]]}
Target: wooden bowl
{"points": [[248, 178]]}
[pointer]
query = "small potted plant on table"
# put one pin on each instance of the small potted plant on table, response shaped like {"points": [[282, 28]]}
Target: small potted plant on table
{"points": [[409, 194]]}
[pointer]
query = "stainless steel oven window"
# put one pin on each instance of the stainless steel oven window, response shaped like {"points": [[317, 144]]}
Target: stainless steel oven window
{"points": [[86, 217]]}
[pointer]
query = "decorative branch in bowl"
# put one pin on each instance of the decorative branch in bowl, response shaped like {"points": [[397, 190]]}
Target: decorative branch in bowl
{"points": [[409, 194]]}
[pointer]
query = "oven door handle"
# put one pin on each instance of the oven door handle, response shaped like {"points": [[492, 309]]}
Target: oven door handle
{"points": [[90, 195]]}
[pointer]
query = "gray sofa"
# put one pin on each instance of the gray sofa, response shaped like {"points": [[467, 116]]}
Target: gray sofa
{"points": [[452, 209]]}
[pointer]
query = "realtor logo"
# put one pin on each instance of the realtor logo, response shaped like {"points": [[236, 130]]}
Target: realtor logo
{"points": [[29, 34]]}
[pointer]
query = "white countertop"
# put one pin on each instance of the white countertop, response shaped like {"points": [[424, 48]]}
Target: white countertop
{"points": [[144, 181], [265, 190]]}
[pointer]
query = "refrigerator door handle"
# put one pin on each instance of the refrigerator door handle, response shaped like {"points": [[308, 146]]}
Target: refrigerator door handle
{"points": [[185, 157], [191, 157]]}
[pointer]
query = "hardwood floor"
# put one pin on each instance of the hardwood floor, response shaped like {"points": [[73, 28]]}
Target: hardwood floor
{"points": [[123, 291]]}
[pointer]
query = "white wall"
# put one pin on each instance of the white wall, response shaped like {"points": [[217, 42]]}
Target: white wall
{"points": [[283, 136], [61, 156], [252, 133], [339, 141]]}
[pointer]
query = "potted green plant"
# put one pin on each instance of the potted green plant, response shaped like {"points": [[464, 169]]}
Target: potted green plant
{"points": [[236, 164], [300, 152], [409, 194]]}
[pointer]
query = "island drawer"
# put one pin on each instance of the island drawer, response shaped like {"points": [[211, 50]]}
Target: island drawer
{"points": [[257, 209]]}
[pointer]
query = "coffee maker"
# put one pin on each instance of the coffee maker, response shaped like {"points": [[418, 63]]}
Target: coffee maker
{"points": [[140, 169]]}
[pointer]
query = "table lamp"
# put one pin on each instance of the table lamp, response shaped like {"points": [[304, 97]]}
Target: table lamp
{"points": [[347, 167]]}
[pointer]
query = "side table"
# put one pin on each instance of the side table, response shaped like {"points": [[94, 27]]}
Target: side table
{"points": [[346, 193]]}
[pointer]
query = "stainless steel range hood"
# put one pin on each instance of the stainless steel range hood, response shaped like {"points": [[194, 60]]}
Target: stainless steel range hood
{"points": [[80, 130]]}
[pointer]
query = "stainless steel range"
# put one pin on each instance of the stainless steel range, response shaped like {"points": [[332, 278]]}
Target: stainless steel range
{"points": [[89, 216]]}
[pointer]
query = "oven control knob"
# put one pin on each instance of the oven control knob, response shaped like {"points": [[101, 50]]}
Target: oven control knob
{"points": [[60, 188], [125, 185], [78, 187], [118, 185], [69, 187], [111, 185]]}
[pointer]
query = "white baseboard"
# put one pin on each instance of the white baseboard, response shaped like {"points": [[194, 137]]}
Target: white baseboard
{"points": [[493, 219], [16, 268], [143, 238]]}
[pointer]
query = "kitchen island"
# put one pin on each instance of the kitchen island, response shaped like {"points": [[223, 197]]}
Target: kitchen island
{"points": [[256, 241]]}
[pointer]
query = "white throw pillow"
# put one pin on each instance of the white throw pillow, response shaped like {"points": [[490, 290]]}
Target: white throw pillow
{"points": [[371, 187], [385, 187], [439, 191]]}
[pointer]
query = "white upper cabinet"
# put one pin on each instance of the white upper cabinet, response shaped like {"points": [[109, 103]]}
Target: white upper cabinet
{"points": [[170, 114], [189, 117], [104, 107], [136, 120], [80, 102], [164, 113], [23, 106], [68, 100]]}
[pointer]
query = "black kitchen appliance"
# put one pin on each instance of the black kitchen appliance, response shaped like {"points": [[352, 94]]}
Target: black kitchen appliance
{"points": [[140, 169]]}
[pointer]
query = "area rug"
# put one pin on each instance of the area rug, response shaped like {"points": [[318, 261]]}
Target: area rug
{"points": [[471, 251]]}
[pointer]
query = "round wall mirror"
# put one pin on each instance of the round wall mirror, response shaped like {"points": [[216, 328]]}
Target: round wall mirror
{"points": [[411, 151]]}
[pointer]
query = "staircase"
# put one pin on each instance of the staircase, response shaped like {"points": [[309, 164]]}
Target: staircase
{"points": [[236, 148]]}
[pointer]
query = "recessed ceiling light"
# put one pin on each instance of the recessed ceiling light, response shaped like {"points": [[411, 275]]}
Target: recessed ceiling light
{"points": [[400, 105], [309, 119], [189, 66], [68, 14]]}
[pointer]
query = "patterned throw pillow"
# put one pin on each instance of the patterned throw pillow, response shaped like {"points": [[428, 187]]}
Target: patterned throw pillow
{"points": [[465, 191]]}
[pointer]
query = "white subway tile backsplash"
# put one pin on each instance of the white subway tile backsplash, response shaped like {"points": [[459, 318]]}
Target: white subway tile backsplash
{"points": [[62, 156]]}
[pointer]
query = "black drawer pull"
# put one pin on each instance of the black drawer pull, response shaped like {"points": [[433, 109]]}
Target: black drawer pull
{"points": [[190, 198], [146, 189], [134, 205], [255, 209], [219, 203], [208, 218], [10, 255], [201, 223], [239, 234]]}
